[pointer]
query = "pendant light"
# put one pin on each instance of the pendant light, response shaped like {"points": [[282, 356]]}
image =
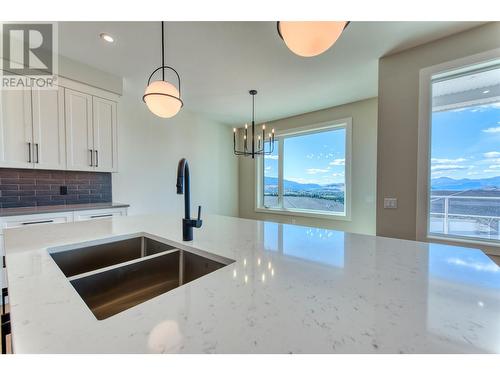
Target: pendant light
{"points": [[257, 145], [310, 38], [162, 97]]}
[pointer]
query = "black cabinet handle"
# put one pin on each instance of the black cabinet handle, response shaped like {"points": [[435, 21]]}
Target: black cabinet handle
{"points": [[91, 157], [96, 159], [103, 215], [3, 261], [38, 222], [29, 152], [36, 152]]}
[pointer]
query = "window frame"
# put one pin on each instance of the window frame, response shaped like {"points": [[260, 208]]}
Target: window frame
{"points": [[424, 149], [280, 135]]}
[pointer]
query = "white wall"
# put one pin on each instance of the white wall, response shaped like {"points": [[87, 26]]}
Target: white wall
{"points": [[149, 149], [89, 75], [364, 168]]}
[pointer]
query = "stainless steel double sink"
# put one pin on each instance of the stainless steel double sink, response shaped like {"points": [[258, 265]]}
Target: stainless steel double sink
{"points": [[115, 276]]}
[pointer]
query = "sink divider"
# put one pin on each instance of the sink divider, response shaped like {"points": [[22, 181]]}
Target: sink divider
{"points": [[136, 260]]}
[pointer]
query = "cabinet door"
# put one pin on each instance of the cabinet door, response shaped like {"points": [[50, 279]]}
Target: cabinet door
{"points": [[16, 131], [105, 137], [79, 134], [49, 151]]}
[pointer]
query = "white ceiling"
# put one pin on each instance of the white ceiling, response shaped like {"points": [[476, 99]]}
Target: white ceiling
{"points": [[220, 61]]}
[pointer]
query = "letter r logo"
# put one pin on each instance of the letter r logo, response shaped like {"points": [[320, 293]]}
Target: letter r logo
{"points": [[27, 49]]}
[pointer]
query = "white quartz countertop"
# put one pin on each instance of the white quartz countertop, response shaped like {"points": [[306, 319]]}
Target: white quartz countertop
{"points": [[291, 289]]}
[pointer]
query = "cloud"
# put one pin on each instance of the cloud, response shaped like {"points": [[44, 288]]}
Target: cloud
{"points": [[316, 170], [337, 162], [496, 166], [341, 174], [272, 157], [485, 107], [437, 174], [492, 130], [492, 154], [447, 161], [310, 156], [267, 168], [478, 266], [448, 167]]}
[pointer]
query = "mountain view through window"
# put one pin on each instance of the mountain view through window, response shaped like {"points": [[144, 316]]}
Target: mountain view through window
{"points": [[313, 172], [465, 156]]}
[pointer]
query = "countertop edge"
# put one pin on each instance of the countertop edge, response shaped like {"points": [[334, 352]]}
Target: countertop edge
{"points": [[18, 211]]}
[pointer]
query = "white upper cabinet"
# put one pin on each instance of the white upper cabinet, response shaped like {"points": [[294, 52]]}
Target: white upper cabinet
{"points": [[105, 137], [16, 131], [79, 133], [63, 129], [49, 151]]}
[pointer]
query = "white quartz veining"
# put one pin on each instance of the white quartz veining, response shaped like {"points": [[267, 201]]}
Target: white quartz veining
{"points": [[291, 289]]}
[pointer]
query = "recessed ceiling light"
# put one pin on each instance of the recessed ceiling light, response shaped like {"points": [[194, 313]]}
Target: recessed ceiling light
{"points": [[108, 38], [486, 91]]}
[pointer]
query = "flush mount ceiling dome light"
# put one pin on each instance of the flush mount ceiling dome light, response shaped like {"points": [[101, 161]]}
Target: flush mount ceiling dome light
{"points": [[162, 97], [310, 38]]}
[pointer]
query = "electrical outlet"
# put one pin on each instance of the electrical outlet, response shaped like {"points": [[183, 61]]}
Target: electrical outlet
{"points": [[390, 202], [63, 190]]}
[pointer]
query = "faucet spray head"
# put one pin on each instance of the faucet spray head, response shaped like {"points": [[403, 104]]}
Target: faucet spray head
{"points": [[180, 176], [179, 185]]}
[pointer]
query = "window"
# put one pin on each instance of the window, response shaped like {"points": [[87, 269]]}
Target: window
{"points": [[308, 172], [464, 174]]}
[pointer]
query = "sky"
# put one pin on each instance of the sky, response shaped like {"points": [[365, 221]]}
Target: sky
{"points": [[317, 158], [466, 142]]}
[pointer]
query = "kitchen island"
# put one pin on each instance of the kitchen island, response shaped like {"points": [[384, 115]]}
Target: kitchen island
{"points": [[286, 289]]}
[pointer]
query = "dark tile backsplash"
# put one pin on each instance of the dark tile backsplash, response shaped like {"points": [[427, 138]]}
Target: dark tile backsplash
{"points": [[33, 187]]}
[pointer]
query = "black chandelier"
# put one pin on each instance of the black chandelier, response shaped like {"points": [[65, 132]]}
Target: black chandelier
{"points": [[258, 147]]}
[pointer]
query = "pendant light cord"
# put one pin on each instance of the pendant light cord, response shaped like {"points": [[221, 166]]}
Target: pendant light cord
{"points": [[162, 53], [253, 108]]}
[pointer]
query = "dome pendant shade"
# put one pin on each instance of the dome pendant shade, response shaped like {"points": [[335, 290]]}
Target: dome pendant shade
{"points": [[310, 38], [163, 99]]}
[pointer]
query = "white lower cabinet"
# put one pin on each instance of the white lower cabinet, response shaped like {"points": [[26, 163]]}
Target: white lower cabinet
{"points": [[99, 214], [36, 219]]}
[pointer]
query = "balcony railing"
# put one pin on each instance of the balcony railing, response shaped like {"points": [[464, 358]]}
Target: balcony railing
{"points": [[465, 216]]}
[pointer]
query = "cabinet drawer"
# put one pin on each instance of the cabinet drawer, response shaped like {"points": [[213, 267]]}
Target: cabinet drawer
{"points": [[37, 219], [99, 214]]}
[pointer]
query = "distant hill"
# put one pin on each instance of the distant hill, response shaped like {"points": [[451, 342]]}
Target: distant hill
{"points": [[292, 185], [446, 183], [441, 183]]}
